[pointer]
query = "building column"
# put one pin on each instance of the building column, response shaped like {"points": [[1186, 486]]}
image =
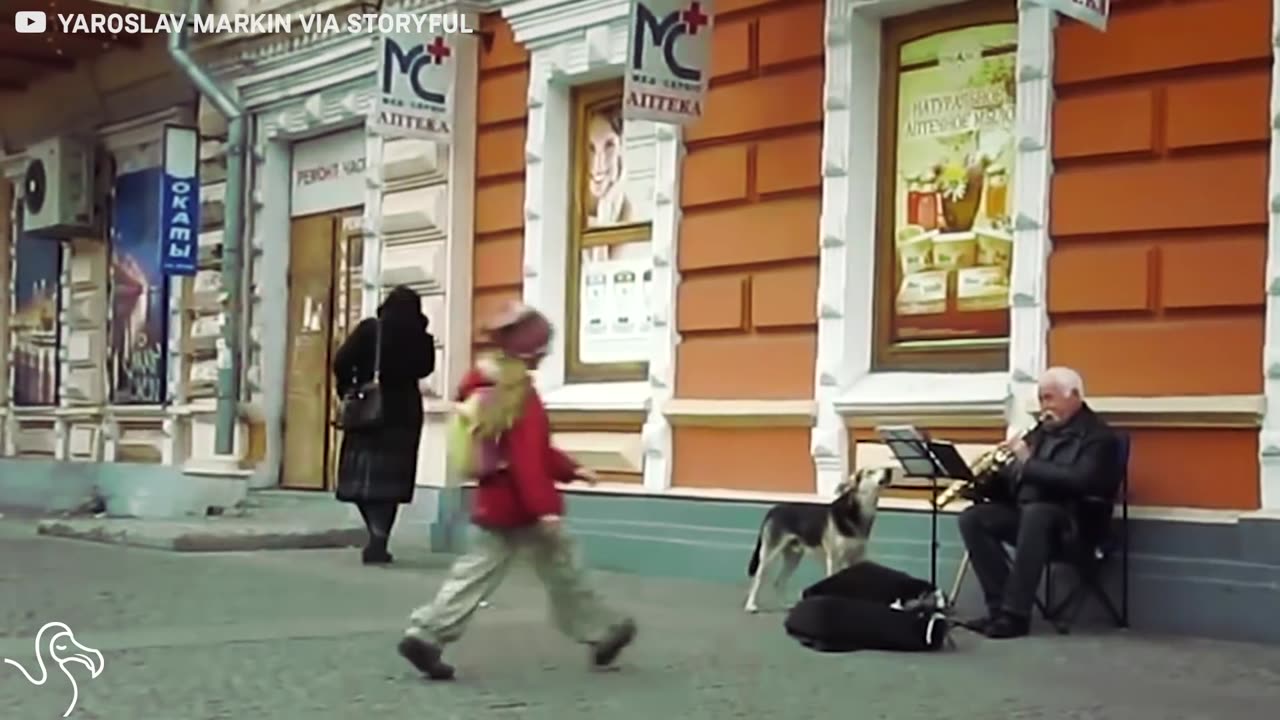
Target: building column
{"points": [[1028, 282], [1269, 436], [10, 191], [848, 200], [656, 433]]}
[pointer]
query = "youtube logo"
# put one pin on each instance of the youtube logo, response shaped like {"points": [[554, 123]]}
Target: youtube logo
{"points": [[30, 21]]}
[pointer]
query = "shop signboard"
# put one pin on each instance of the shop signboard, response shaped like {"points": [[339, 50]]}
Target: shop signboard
{"points": [[328, 173], [415, 86], [180, 201], [668, 60]]}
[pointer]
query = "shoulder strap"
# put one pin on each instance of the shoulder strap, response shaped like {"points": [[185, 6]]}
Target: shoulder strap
{"points": [[377, 349]]}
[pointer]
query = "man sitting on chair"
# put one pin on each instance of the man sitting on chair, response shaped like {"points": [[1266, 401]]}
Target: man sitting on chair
{"points": [[1073, 454]]}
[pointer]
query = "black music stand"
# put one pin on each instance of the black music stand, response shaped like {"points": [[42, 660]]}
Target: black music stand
{"points": [[925, 458]]}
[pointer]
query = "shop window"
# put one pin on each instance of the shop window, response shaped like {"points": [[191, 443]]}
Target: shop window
{"points": [[610, 264], [944, 225], [37, 284], [137, 358]]}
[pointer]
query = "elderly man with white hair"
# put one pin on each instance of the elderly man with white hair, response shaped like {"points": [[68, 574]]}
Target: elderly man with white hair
{"points": [[1072, 454]]}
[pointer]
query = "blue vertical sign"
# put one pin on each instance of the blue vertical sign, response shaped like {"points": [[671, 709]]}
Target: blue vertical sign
{"points": [[180, 201]]}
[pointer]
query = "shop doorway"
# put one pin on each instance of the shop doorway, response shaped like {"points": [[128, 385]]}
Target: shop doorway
{"points": [[324, 304]]}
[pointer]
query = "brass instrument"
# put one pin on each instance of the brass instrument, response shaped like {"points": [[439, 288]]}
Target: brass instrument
{"points": [[983, 469]]}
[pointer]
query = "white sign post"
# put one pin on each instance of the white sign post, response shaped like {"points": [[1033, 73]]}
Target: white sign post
{"points": [[1090, 12], [415, 86], [668, 60]]}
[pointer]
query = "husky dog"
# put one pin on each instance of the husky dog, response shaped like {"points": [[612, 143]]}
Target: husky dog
{"points": [[839, 531]]}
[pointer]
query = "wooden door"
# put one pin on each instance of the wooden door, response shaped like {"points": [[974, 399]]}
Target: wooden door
{"points": [[308, 391], [348, 292]]}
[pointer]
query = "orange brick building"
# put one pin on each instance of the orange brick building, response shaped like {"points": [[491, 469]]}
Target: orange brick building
{"points": [[1117, 221]]}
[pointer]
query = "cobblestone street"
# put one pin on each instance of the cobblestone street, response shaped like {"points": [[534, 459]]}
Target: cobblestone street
{"points": [[310, 634]]}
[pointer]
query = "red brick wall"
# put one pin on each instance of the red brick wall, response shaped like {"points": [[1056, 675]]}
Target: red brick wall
{"points": [[1159, 213], [499, 204], [748, 258], [751, 195]]}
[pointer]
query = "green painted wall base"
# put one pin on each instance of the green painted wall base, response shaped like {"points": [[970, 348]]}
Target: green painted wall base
{"points": [[1212, 580], [127, 489]]}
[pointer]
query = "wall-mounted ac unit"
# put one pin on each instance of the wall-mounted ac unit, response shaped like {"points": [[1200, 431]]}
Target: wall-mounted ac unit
{"points": [[58, 188]]}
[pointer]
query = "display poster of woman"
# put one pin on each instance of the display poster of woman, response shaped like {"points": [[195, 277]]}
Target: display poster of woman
{"points": [[617, 167]]}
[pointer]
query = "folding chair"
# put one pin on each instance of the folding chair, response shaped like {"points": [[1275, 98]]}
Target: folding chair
{"points": [[1096, 540]]}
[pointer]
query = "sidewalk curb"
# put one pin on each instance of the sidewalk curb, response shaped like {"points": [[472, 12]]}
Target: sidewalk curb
{"points": [[190, 537]]}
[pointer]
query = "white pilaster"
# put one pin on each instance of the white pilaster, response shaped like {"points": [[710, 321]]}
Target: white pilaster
{"points": [[1269, 440], [371, 225], [460, 247], [546, 204], [12, 168], [656, 435], [571, 45], [1033, 170], [846, 244], [64, 338]]}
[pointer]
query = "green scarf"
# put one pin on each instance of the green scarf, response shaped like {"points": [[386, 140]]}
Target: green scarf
{"points": [[500, 405]]}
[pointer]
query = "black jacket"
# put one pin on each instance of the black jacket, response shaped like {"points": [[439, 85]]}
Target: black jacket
{"points": [[381, 465], [406, 358], [1078, 460]]}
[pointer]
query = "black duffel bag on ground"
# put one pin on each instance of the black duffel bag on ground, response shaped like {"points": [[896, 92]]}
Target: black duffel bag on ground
{"points": [[870, 607]]}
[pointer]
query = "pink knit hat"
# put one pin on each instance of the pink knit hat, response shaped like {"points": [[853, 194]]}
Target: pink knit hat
{"points": [[520, 330]]}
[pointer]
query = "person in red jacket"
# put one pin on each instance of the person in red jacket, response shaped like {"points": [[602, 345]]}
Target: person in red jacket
{"points": [[516, 509]]}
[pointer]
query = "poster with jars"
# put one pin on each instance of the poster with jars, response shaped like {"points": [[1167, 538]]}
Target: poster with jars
{"points": [[615, 316], [955, 144]]}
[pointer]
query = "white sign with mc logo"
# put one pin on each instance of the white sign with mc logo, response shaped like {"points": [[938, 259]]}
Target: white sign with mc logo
{"points": [[415, 86], [668, 60]]}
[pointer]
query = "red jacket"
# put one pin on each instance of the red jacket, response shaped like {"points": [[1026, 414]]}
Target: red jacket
{"points": [[526, 490]]}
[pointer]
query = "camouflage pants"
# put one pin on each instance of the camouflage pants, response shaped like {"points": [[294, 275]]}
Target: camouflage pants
{"points": [[575, 608]]}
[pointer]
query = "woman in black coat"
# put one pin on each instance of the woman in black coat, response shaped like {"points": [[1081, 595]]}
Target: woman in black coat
{"points": [[376, 467]]}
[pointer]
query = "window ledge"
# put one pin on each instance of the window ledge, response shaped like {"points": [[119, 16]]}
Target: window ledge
{"points": [[926, 393], [23, 412], [1181, 411], [1168, 404], [137, 412], [602, 397]]}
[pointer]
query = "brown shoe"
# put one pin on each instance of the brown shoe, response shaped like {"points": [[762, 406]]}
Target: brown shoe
{"points": [[619, 636], [425, 657]]}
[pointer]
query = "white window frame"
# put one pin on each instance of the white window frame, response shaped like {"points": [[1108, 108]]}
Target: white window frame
{"points": [[571, 45], [844, 383]]}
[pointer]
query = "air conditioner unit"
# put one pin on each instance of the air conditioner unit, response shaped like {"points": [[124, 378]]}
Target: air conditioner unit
{"points": [[58, 188]]}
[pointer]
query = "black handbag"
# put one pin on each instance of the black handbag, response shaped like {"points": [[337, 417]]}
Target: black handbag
{"points": [[362, 405]]}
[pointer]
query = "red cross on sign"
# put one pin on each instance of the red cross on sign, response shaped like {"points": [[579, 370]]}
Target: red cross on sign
{"points": [[694, 18], [439, 51]]}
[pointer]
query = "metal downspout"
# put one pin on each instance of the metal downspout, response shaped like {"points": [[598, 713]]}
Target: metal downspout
{"points": [[228, 392]]}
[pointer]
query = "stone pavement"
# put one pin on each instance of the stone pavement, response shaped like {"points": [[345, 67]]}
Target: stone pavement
{"points": [[309, 634]]}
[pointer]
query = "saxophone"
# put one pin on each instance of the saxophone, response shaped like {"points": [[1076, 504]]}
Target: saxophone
{"points": [[983, 469]]}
